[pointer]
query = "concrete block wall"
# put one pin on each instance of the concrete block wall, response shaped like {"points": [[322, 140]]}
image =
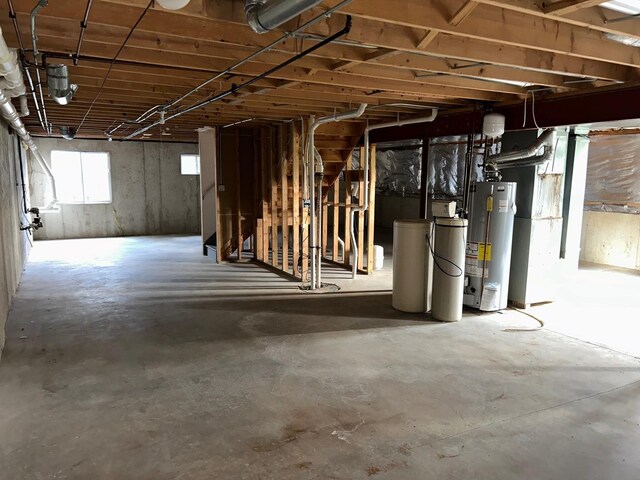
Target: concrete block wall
{"points": [[611, 239], [14, 244], [149, 194]]}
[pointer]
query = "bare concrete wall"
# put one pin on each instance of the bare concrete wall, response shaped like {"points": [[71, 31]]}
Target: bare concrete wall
{"points": [[14, 244], [611, 239], [390, 208], [150, 196]]}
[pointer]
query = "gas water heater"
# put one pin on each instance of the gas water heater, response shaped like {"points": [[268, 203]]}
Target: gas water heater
{"points": [[492, 210]]}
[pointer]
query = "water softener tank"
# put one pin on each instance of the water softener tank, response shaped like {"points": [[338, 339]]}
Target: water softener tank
{"points": [[492, 210], [412, 266], [448, 269]]}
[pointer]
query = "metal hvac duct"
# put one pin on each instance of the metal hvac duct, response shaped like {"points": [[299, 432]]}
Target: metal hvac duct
{"points": [[527, 156], [265, 15], [68, 133], [11, 115], [60, 89]]}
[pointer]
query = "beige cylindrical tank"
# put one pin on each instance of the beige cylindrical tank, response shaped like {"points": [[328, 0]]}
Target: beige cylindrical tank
{"points": [[448, 271], [411, 266]]}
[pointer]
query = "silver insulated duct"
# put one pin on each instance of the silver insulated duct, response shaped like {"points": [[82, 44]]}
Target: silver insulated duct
{"points": [[60, 89], [265, 15], [10, 114], [529, 156]]}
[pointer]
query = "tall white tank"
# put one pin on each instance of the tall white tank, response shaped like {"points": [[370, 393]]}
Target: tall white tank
{"points": [[448, 270], [412, 266], [492, 211]]}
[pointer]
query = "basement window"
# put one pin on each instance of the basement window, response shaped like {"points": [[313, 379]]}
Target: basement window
{"points": [[189, 164], [82, 177]]}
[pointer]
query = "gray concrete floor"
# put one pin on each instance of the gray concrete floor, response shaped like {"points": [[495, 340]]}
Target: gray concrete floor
{"points": [[136, 358]]}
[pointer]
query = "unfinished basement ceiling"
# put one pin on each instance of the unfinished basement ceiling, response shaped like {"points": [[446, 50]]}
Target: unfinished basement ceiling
{"points": [[398, 56]]}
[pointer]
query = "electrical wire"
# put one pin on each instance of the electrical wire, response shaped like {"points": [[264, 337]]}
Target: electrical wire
{"points": [[540, 321], [533, 109], [436, 257], [113, 61]]}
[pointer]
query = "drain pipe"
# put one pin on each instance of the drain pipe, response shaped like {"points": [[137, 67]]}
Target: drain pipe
{"points": [[399, 123], [316, 240], [265, 15]]}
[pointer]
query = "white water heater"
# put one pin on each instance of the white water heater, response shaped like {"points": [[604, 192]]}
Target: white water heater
{"points": [[492, 210]]}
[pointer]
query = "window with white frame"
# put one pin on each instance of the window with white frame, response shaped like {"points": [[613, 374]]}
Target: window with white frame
{"points": [[82, 177], [189, 164]]}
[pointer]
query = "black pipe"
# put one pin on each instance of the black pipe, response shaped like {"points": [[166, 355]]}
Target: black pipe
{"points": [[83, 27], [24, 190], [12, 16], [91, 58], [235, 88]]}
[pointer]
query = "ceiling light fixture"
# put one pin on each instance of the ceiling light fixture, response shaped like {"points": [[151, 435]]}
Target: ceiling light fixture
{"points": [[173, 4]]}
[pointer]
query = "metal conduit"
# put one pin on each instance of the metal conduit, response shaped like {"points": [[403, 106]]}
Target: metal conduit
{"points": [[83, 27], [34, 40], [271, 46], [236, 88]]}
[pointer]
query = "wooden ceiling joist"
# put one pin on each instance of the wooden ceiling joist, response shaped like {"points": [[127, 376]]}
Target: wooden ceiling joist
{"points": [[417, 52]]}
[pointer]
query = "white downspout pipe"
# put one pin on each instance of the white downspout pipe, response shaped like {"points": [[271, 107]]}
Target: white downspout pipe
{"points": [[398, 123], [316, 255]]}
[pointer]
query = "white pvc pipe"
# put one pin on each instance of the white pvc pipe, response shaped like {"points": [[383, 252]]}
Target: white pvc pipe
{"points": [[316, 256], [12, 116], [399, 123]]}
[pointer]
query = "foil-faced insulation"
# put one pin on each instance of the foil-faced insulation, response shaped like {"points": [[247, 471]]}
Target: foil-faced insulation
{"points": [[613, 174]]}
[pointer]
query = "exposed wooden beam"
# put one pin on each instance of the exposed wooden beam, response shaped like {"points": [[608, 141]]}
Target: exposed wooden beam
{"points": [[565, 7], [427, 39], [463, 12]]}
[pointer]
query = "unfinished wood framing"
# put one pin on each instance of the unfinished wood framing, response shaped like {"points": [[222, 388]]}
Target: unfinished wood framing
{"points": [[283, 225], [534, 44], [235, 187]]}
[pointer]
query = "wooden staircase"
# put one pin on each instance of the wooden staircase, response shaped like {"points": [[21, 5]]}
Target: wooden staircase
{"points": [[263, 198], [336, 142]]}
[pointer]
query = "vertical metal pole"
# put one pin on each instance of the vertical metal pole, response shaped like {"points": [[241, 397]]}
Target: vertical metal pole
{"points": [[312, 197]]}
